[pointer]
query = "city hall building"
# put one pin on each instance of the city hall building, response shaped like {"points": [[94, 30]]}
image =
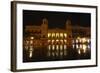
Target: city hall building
{"points": [[42, 41]]}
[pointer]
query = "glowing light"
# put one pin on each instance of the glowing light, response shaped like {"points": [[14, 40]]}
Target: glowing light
{"points": [[76, 40], [53, 47], [83, 40], [88, 40], [77, 46], [84, 48], [80, 46], [53, 41], [32, 38], [31, 42], [57, 46], [61, 35], [57, 40], [30, 54], [53, 34], [48, 41], [49, 47], [65, 41], [79, 52], [61, 47], [61, 41], [73, 46], [49, 34], [65, 46], [65, 35], [57, 34]]}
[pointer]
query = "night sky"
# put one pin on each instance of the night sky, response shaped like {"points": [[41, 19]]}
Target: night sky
{"points": [[56, 19]]}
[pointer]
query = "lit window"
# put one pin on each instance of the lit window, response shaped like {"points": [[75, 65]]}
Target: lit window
{"points": [[84, 47], [57, 34], [53, 47], [61, 35], [48, 41], [77, 46], [57, 40], [57, 47], [83, 40], [30, 54], [52, 41], [53, 34], [65, 41], [31, 38], [49, 34], [49, 47], [76, 40], [65, 35], [65, 46], [31, 42], [73, 46], [61, 41], [79, 52], [88, 40], [61, 47]]}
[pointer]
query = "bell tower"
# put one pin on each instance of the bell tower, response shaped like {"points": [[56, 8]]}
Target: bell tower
{"points": [[69, 31], [44, 28]]}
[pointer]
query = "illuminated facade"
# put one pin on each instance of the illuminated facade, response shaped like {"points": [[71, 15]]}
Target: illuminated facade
{"points": [[56, 42]]}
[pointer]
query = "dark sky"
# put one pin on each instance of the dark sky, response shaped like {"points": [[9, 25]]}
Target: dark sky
{"points": [[56, 19]]}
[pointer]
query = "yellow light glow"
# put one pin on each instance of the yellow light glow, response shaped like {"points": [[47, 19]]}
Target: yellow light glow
{"points": [[61, 41], [57, 34], [76, 40], [77, 46], [61, 35], [80, 46], [84, 48], [30, 54], [49, 34], [79, 52], [53, 47], [83, 40], [53, 41], [65, 41], [73, 46], [49, 47], [65, 35], [65, 46], [53, 34], [48, 41], [57, 40], [57, 47], [88, 40], [31, 38], [61, 47], [31, 42]]}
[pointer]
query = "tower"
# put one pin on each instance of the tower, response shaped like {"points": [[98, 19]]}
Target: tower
{"points": [[44, 27], [69, 32]]}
